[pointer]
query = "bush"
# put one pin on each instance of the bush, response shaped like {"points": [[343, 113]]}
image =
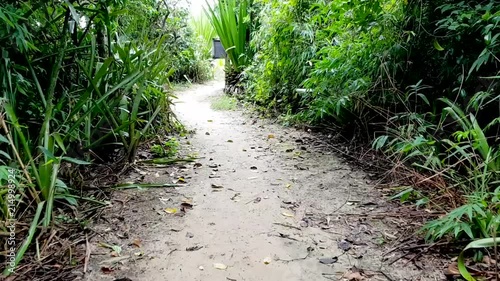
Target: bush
{"points": [[82, 83], [418, 78]]}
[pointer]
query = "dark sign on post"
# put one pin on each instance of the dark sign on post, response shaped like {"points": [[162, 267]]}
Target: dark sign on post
{"points": [[218, 51]]}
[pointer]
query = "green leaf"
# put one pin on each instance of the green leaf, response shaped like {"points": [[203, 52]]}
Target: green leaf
{"points": [[47, 153], [437, 46], [29, 238], [71, 200], [4, 139], [466, 228], [478, 244], [5, 154], [76, 161], [403, 195], [60, 143]]}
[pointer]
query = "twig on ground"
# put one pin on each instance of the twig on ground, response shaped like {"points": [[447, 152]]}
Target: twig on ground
{"points": [[287, 225], [286, 236], [172, 252], [340, 207], [297, 259], [87, 254]]}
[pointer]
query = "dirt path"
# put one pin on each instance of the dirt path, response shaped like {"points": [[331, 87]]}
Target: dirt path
{"points": [[282, 203]]}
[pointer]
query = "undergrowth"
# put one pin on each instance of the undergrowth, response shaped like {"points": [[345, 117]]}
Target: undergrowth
{"points": [[224, 103], [82, 85], [417, 79]]}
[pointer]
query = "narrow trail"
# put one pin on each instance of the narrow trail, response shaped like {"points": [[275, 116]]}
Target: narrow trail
{"points": [[278, 215]]}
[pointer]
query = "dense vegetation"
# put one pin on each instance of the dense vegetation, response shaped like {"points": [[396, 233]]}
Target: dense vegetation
{"points": [[82, 82], [418, 79], [85, 82]]}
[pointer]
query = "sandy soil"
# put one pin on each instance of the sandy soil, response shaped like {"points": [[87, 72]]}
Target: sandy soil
{"points": [[285, 206]]}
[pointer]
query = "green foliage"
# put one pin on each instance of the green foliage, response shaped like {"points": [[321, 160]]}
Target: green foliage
{"points": [[417, 78], [171, 20], [83, 83], [167, 149], [478, 244], [205, 33], [232, 22], [224, 103], [285, 44]]}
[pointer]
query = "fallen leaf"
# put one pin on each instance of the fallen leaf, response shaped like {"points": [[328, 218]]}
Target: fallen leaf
{"points": [[210, 121], [137, 243], [388, 235], [186, 206], [267, 260], [356, 276], [116, 249], [452, 270], [328, 260], [229, 140], [220, 266], [288, 185], [344, 245], [181, 179], [287, 214], [107, 269], [489, 261], [270, 136], [171, 210]]}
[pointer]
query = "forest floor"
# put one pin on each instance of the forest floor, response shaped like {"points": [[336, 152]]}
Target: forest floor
{"points": [[261, 202]]}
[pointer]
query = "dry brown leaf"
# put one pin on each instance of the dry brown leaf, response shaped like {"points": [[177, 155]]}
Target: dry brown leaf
{"points": [[356, 276], [137, 243], [489, 261], [452, 270]]}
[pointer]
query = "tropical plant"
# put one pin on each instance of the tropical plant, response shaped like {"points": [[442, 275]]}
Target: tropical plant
{"points": [[78, 88], [231, 20]]}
